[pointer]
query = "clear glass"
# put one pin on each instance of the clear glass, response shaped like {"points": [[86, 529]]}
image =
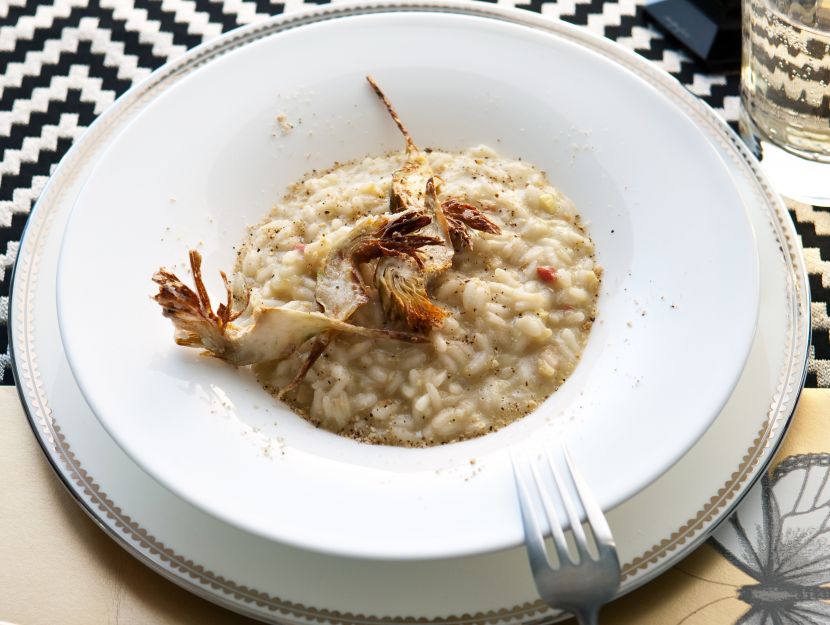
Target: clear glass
{"points": [[785, 91]]}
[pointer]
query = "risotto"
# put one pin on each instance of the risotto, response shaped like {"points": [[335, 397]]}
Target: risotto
{"points": [[409, 299], [520, 303]]}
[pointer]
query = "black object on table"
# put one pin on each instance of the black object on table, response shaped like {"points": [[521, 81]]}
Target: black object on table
{"points": [[709, 29]]}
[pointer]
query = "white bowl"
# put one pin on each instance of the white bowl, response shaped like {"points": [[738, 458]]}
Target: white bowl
{"points": [[677, 309]]}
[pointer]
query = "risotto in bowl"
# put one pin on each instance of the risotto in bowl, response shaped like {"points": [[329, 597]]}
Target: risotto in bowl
{"points": [[403, 311], [485, 263], [520, 302]]}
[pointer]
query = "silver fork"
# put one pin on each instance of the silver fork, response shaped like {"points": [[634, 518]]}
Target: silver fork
{"points": [[581, 584]]}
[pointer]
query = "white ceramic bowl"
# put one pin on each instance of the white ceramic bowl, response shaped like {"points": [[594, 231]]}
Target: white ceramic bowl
{"points": [[677, 309]]}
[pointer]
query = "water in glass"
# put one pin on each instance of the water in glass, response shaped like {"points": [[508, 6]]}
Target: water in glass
{"points": [[785, 89]]}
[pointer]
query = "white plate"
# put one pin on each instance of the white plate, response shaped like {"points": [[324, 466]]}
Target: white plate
{"points": [[677, 309], [276, 583]]}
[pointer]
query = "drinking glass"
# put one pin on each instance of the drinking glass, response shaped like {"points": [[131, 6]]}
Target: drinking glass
{"points": [[785, 93]]}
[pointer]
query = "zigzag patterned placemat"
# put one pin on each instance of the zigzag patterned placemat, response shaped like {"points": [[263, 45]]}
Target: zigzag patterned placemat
{"points": [[62, 62]]}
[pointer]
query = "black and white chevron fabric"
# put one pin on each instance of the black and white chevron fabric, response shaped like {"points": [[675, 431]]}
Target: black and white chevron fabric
{"points": [[62, 62]]}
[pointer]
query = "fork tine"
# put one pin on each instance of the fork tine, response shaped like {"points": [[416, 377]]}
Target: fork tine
{"points": [[603, 537], [576, 523], [534, 539], [553, 519], [581, 584]]}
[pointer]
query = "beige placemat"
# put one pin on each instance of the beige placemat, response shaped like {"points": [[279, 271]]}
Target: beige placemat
{"points": [[59, 568]]}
